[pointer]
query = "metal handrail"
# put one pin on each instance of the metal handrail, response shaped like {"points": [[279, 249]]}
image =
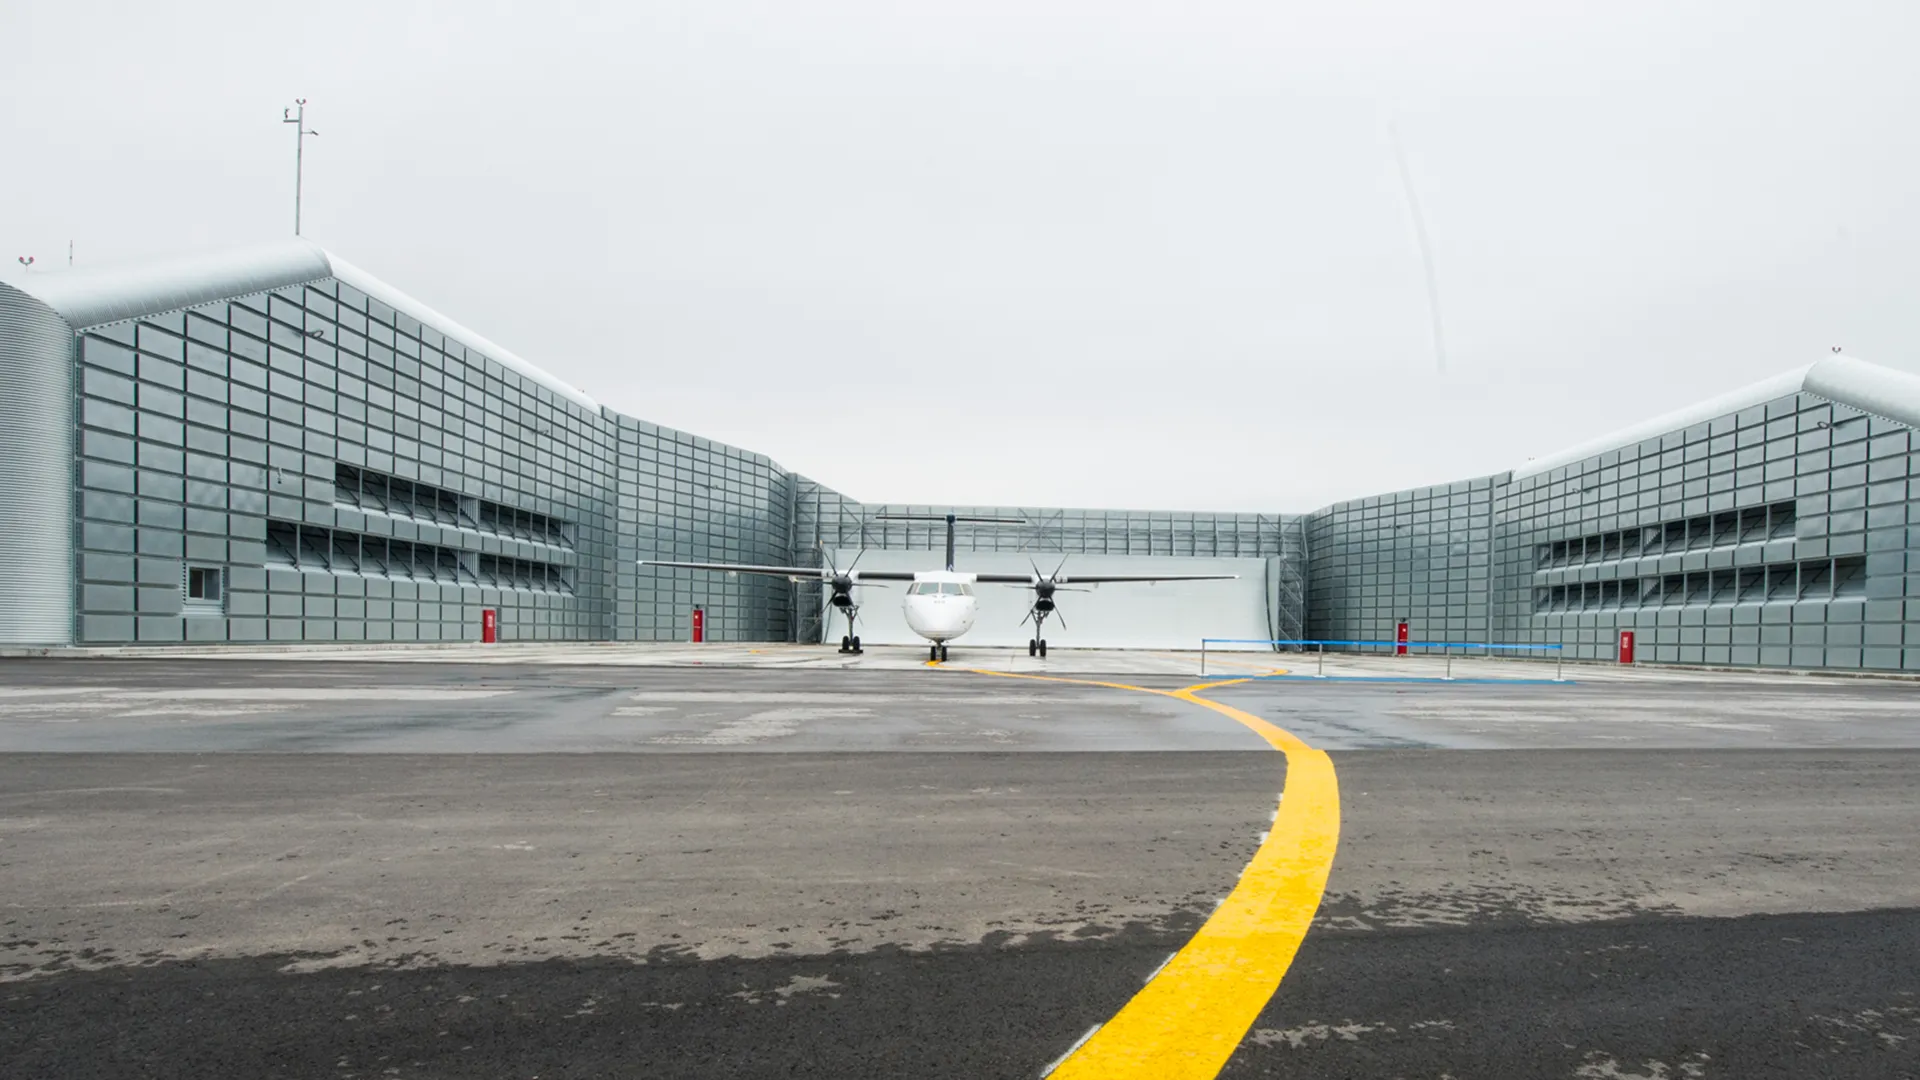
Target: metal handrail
{"points": [[1446, 648]]}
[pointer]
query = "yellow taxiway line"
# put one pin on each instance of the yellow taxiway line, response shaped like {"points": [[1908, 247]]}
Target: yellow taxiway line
{"points": [[1191, 1015]]}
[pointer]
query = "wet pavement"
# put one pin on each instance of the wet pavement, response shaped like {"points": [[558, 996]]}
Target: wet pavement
{"points": [[264, 868]]}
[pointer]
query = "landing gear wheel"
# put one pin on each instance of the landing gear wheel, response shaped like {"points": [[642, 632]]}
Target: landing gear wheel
{"points": [[846, 644], [933, 653], [856, 644], [1043, 648], [1033, 647], [943, 654]]}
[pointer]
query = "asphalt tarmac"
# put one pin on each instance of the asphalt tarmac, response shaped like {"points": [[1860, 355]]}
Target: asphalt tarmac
{"points": [[261, 868]]}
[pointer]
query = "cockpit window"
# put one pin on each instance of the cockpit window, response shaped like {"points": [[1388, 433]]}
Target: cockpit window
{"points": [[924, 588], [950, 588]]}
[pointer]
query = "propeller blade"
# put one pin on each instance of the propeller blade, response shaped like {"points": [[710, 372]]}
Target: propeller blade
{"points": [[1062, 566], [1062, 618], [861, 554]]}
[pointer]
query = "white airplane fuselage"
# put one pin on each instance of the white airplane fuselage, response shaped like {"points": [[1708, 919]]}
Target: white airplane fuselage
{"points": [[940, 605]]}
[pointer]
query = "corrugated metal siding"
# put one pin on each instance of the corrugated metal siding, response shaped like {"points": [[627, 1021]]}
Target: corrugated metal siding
{"points": [[36, 480]]}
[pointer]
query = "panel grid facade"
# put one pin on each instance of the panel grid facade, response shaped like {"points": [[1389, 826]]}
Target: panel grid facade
{"points": [[1418, 556], [690, 499], [1777, 536], [319, 458], [206, 432], [1782, 535]]}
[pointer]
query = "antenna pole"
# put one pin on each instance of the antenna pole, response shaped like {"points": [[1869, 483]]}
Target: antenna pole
{"points": [[299, 121]]}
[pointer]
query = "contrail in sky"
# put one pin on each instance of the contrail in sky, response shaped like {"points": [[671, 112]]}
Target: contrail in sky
{"points": [[1426, 249]]}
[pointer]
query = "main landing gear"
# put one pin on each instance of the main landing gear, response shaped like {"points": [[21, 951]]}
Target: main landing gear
{"points": [[937, 652], [850, 644], [1037, 647]]}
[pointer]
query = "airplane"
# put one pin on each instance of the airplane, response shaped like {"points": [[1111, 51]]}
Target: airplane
{"points": [[939, 604]]}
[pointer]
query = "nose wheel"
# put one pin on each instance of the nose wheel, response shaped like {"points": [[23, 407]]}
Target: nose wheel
{"points": [[850, 641], [1037, 645], [937, 652]]}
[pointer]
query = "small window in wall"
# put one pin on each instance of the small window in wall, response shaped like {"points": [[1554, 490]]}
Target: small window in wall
{"points": [[203, 583], [204, 588]]}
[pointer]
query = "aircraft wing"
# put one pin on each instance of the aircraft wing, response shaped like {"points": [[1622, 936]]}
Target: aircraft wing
{"points": [[1097, 579], [817, 573]]}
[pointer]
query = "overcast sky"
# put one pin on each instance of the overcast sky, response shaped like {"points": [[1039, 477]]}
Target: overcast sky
{"points": [[1085, 254]]}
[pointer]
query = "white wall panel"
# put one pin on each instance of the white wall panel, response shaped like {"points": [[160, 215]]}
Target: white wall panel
{"points": [[36, 473], [1168, 615]]}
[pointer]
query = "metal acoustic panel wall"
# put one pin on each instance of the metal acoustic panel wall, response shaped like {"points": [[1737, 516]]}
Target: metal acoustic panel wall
{"points": [[36, 473], [1168, 615]]}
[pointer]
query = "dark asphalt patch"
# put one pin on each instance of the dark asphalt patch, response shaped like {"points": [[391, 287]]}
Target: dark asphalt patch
{"points": [[1793, 996], [991, 1010], [1800, 996]]}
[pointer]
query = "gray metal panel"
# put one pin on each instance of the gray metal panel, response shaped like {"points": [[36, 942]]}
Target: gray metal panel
{"points": [[349, 274], [36, 483]]}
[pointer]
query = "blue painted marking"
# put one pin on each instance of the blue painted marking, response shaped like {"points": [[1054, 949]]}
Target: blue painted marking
{"points": [[1444, 645], [1412, 679]]}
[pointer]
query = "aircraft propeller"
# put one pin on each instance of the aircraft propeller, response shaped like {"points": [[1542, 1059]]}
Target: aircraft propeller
{"points": [[1044, 587], [842, 584]]}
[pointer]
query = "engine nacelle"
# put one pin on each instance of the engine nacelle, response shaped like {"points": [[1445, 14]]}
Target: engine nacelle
{"points": [[842, 586]]}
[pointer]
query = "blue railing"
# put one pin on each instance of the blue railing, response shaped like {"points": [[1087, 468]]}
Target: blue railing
{"points": [[1446, 648]]}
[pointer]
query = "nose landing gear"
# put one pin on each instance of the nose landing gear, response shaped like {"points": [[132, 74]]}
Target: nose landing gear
{"points": [[1042, 608], [850, 641], [937, 652]]}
